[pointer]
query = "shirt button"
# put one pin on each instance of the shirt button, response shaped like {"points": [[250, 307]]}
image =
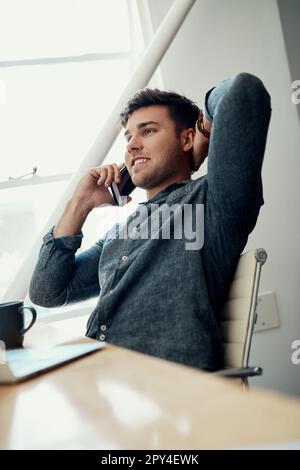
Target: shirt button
{"points": [[103, 327], [102, 337], [124, 258]]}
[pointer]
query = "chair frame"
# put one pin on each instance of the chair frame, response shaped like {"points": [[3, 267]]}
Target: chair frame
{"points": [[246, 371]]}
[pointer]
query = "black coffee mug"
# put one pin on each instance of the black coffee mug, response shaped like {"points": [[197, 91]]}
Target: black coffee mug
{"points": [[12, 323]]}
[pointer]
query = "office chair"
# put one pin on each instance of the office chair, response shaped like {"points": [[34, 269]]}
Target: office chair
{"points": [[239, 317]]}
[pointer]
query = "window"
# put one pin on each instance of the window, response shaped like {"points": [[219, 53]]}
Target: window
{"points": [[63, 64]]}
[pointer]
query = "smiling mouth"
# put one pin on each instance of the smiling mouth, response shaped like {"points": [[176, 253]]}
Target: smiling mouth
{"points": [[139, 162]]}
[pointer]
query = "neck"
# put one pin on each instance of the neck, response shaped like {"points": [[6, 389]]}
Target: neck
{"points": [[176, 179]]}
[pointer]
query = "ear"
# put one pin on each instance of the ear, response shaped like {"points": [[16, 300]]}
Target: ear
{"points": [[187, 139]]}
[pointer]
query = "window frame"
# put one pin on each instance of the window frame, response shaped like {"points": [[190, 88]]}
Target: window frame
{"points": [[134, 7]]}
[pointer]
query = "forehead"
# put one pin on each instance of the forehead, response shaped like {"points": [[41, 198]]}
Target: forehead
{"points": [[157, 113]]}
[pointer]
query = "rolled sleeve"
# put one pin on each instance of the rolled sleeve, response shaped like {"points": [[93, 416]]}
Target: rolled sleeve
{"points": [[71, 242], [213, 96]]}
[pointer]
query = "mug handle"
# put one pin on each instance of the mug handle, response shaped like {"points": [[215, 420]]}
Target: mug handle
{"points": [[33, 311]]}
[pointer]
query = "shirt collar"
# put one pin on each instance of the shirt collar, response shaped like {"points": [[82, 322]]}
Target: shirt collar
{"points": [[164, 193]]}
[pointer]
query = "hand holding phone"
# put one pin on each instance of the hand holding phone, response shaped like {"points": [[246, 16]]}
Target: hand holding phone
{"points": [[121, 190]]}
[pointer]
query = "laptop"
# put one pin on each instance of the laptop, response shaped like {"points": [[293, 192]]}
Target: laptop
{"points": [[21, 364]]}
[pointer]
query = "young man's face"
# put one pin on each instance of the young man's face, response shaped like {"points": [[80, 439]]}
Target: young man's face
{"points": [[151, 136]]}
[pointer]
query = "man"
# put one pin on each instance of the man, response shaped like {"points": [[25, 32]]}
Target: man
{"points": [[157, 296]]}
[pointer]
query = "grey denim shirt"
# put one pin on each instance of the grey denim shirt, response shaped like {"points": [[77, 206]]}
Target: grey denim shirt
{"points": [[155, 295]]}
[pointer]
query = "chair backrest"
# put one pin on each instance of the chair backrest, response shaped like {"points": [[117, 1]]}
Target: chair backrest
{"points": [[239, 312]]}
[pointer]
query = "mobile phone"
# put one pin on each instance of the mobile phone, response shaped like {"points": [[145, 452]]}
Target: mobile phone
{"points": [[124, 188]]}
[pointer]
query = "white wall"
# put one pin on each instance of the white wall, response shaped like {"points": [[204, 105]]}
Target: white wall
{"points": [[289, 11], [218, 40]]}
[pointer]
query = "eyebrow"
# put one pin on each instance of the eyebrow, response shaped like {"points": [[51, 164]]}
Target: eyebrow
{"points": [[141, 125]]}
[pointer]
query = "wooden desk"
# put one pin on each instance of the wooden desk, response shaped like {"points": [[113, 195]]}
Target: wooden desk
{"points": [[119, 399]]}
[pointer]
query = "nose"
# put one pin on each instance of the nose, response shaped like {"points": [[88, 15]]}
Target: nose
{"points": [[134, 145]]}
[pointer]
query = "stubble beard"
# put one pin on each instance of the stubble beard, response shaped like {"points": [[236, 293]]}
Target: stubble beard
{"points": [[154, 177]]}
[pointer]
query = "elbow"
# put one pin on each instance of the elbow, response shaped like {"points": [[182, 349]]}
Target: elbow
{"points": [[253, 87], [40, 298], [34, 295], [41, 301]]}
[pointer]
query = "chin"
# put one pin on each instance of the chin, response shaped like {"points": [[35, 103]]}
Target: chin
{"points": [[143, 183], [140, 180]]}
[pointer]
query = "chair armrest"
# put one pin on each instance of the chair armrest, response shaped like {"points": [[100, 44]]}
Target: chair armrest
{"points": [[240, 373]]}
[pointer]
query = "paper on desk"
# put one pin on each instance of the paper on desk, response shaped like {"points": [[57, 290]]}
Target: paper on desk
{"points": [[22, 363]]}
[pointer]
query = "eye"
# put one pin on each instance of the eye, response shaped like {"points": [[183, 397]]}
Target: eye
{"points": [[148, 130]]}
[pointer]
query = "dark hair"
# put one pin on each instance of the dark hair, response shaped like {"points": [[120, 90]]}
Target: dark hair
{"points": [[183, 111]]}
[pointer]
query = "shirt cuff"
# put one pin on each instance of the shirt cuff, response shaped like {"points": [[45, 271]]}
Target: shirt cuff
{"points": [[213, 97], [206, 109], [70, 242]]}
